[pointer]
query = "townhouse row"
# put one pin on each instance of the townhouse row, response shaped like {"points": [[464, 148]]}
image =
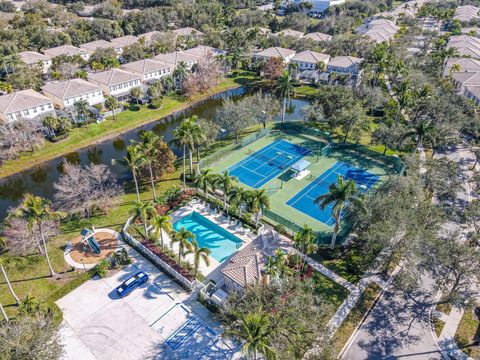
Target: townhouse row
{"points": [[309, 61], [44, 60], [118, 83]]}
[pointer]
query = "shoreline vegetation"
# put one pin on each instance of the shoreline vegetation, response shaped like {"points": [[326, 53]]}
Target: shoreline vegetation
{"points": [[128, 120]]}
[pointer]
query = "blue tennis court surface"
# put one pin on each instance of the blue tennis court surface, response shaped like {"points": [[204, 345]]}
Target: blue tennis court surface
{"points": [[304, 200], [265, 164]]}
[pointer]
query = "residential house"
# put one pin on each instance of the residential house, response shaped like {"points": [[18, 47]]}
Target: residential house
{"points": [[188, 31], [150, 37], [116, 82], [467, 65], [205, 51], [36, 60], [472, 31], [149, 69], [466, 13], [318, 37], [466, 45], [177, 57], [274, 52], [406, 9], [66, 93], [308, 60], [378, 30], [93, 46], [68, 50], [347, 65], [122, 42], [319, 6], [261, 30], [291, 33], [27, 104], [468, 85]]}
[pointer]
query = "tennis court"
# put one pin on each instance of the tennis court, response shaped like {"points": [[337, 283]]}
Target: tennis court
{"points": [[304, 200], [265, 164]]}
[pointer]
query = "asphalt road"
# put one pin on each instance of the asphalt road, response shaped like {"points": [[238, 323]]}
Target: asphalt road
{"points": [[398, 327]]}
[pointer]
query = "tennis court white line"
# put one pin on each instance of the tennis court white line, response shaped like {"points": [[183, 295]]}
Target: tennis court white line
{"points": [[244, 160], [277, 169], [314, 182]]}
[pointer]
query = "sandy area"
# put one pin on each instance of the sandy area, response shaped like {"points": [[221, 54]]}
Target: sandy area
{"points": [[82, 252]]}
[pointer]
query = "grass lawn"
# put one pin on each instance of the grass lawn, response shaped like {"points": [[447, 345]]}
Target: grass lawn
{"points": [[356, 315], [87, 135], [438, 326], [31, 276], [334, 293], [341, 264], [468, 330]]}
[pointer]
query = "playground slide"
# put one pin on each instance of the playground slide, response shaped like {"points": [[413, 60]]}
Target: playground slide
{"points": [[94, 244]]}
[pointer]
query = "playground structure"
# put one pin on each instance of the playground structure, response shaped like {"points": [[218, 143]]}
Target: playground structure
{"points": [[89, 239]]}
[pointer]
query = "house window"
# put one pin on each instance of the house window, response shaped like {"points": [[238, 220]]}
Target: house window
{"points": [[34, 110]]}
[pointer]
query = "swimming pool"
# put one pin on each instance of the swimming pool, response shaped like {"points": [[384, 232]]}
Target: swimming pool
{"points": [[221, 243]]}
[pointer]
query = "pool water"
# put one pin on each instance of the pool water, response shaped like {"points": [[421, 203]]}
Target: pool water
{"points": [[221, 243]]}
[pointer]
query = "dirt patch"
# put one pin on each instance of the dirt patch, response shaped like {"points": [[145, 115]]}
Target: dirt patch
{"points": [[81, 252]]}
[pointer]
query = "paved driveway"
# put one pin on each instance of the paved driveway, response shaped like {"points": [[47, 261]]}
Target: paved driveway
{"points": [[150, 323]]}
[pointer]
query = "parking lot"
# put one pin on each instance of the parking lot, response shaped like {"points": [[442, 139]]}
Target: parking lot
{"points": [[159, 320]]}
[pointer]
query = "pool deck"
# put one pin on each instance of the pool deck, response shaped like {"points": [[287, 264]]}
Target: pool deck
{"points": [[246, 235]]}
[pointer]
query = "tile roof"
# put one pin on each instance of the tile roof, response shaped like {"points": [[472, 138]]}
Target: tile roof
{"points": [[203, 51], [97, 44], [150, 36], [344, 61], [276, 52], [176, 57], [33, 57], [466, 45], [188, 31], [467, 79], [66, 89], [318, 36], [378, 30], [467, 65], [290, 32], [21, 100], [466, 13], [123, 41], [147, 66], [68, 50], [310, 57], [113, 77], [245, 268]]}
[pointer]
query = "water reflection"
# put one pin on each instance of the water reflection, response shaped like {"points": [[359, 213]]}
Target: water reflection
{"points": [[38, 175], [118, 144], [94, 155]]}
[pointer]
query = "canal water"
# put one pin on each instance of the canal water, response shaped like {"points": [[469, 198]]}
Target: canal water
{"points": [[40, 179]]}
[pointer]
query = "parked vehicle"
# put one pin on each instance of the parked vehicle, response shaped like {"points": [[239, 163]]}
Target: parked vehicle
{"points": [[132, 283]]}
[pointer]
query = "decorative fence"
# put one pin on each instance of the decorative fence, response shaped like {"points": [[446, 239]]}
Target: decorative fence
{"points": [[162, 265], [252, 138]]}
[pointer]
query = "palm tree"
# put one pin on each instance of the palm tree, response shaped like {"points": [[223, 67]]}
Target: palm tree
{"points": [[447, 54], [340, 195], [11, 63], [160, 224], [204, 179], [226, 182], [81, 109], [111, 104], [136, 94], [305, 242], [35, 211], [259, 202], [284, 90], [239, 196], [181, 138], [277, 266], [423, 130], [455, 67], [143, 210], [180, 72], [199, 254], [51, 122], [183, 238], [321, 66], [149, 147], [132, 161], [254, 330], [404, 97], [3, 263]]}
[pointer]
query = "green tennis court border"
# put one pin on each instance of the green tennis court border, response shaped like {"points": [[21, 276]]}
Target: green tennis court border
{"points": [[283, 187]]}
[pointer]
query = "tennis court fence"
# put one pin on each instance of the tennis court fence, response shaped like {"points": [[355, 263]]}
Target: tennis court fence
{"points": [[252, 138], [281, 220]]}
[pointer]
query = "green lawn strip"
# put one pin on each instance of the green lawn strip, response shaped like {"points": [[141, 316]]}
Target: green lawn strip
{"points": [[341, 265], [444, 308], [437, 325], [332, 292], [125, 121], [355, 316], [467, 331]]}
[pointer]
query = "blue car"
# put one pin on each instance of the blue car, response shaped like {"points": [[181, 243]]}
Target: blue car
{"points": [[132, 283]]}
